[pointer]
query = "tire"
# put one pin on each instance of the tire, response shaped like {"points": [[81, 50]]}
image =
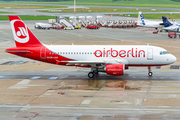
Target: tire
{"points": [[150, 73], [91, 75]]}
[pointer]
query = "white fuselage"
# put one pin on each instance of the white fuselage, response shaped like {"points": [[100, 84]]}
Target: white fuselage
{"points": [[147, 23], [141, 55], [173, 28]]}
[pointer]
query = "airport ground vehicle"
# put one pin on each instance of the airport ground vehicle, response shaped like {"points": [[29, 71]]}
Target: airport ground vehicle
{"points": [[111, 59], [78, 27], [69, 28], [42, 26], [155, 32], [92, 27], [172, 35]]}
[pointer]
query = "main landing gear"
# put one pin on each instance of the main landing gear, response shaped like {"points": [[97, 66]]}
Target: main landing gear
{"points": [[93, 73], [149, 69]]}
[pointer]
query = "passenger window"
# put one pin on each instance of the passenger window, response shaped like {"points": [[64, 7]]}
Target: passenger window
{"points": [[50, 53]]}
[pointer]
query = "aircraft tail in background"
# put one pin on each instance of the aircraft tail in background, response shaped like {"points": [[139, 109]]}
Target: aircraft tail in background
{"points": [[166, 22], [140, 18]]}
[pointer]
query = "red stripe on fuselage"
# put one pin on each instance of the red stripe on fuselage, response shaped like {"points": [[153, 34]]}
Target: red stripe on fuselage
{"points": [[35, 54]]}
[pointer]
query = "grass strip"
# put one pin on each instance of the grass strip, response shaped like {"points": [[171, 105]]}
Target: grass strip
{"points": [[103, 10], [131, 3], [156, 16], [27, 17]]}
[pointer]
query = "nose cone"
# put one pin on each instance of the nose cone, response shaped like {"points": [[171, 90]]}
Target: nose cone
{"points": [[173, 59]]}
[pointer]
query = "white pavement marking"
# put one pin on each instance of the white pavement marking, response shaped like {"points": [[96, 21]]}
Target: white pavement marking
{"points": [[86, 102], [24, 82], [20, 85], [1, 77], [36, 77], [85, 108], [53, 78]]}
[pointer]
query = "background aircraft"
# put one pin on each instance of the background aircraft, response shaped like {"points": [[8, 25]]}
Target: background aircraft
{"points": [[148, 23], [111, 59], [169, 26]]}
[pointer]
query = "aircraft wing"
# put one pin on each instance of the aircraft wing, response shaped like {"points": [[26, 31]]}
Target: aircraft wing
{"points": [[83, 63], [94, 63]]}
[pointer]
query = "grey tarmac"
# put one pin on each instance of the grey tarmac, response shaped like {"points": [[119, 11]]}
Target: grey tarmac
{"points": [[41, 91]]}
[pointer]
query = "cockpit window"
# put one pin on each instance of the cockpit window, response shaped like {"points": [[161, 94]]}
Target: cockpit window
{"points": [[164, 52]]}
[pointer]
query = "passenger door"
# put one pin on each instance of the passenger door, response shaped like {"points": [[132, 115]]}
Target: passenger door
{"points": [[149, 54]]}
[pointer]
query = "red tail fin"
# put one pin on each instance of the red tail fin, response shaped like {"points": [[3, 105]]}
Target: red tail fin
{"points": [[22, 35]]}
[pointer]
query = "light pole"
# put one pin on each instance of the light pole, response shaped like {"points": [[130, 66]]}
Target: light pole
{"points": [[74, 7]]}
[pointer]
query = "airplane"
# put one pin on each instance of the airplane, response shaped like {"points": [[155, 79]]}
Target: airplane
{"points": [[111, 59], [169, 26], [147, 23]]}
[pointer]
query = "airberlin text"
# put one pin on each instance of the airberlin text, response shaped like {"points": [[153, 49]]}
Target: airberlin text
{"points": [[135, 53]]}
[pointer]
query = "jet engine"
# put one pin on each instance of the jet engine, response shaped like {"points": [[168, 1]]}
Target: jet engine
{"points": [[115, 69]]}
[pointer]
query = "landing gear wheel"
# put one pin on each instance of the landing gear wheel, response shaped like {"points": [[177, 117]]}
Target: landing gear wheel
{"points": [[150, 73], [91, 75]]}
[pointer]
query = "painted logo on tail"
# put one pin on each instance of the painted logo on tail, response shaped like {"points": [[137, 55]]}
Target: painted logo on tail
{"points": [[20, 31], [142, 19]]}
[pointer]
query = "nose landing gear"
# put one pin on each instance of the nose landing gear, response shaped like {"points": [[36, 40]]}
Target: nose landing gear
{"points": [[149, 69]]}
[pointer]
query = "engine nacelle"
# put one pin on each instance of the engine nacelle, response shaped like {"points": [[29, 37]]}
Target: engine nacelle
{"points": [[115, 69]]}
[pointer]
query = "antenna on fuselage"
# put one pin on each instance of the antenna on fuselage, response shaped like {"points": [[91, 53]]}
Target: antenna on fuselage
{"points": [[147, 44], [72, 44]]}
